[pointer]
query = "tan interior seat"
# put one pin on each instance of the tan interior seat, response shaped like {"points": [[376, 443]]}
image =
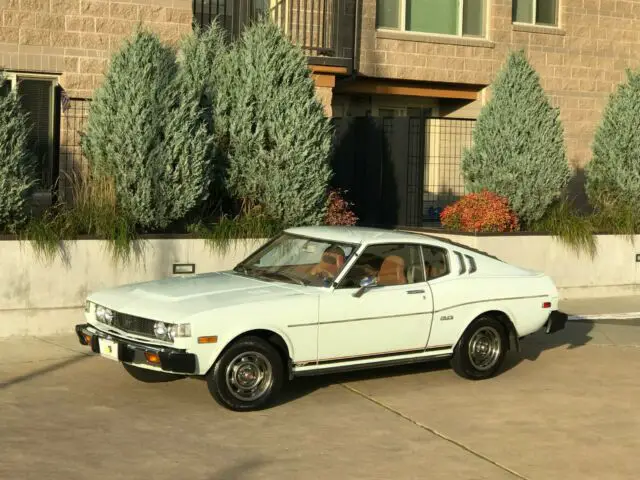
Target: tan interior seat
{"points": [[392, 271]]}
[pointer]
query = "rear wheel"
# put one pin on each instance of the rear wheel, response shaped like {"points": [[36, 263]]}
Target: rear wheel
{"points": [[149, 376], [247, 376], [481, 351]]}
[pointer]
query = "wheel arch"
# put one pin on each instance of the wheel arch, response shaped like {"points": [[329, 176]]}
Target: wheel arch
{"points": [[507, 323], [279, 341]]}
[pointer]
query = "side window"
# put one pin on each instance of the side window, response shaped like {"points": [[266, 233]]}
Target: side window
{"points": [[388, 264], [436, 262]]}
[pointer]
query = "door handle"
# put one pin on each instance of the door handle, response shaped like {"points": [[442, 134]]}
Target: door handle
{"points": [[414, 292]]}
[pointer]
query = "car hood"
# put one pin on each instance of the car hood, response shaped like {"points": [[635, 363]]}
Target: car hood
{"points": [[180, 297]]}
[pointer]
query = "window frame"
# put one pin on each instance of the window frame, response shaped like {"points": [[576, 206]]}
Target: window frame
{"points": [[13, 77], [339, 285], [403, 22], [534, 14]]}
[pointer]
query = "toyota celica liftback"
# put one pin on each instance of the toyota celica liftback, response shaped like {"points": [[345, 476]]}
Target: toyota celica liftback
{"points": [[316, 300]]}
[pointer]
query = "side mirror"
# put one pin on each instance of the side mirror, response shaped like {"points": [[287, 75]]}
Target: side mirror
{"points": [[365, 284]]}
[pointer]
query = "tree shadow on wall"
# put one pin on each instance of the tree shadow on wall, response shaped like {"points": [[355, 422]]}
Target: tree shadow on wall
{"points": [[576, 192], [362, 166]]}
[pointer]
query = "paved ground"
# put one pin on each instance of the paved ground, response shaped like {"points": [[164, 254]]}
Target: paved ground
{"points": [[565, 409]]}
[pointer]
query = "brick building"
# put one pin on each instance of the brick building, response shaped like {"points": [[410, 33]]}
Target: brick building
{"points": [[417, 65]]}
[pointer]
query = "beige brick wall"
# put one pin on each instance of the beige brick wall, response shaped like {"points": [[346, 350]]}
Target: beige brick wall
{"points": [[580, 63], [75, 38]]}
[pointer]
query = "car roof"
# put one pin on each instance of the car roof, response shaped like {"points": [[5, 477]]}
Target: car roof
{"points": [[359, 235]]}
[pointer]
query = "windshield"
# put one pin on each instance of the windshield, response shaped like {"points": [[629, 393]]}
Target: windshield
{"points": [[294, 259]]}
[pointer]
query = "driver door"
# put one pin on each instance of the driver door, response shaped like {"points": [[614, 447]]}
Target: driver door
{"points": [[392, 318]]}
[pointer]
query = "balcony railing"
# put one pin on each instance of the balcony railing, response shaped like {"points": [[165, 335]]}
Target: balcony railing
{"points": [[324, 29]]}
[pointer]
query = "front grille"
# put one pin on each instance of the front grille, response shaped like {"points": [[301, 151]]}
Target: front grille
{"points": [[131, 324]]}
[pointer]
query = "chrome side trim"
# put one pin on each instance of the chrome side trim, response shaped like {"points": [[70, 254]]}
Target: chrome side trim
{"points": [[363, 319], [490, 300]]}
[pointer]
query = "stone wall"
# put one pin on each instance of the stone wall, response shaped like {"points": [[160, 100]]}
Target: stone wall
{"points": [[580, 62], [75, 38]]}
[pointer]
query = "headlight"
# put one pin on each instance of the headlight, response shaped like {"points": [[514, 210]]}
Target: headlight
{"points": [[180, 330], [104, 315], [160, 330], [171, 331]]}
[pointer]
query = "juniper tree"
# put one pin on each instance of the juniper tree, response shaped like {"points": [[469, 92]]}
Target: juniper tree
{"points": [[279, 137], [613, 174], [518, 147], [193, 162], [126, 128], [17, 171]]}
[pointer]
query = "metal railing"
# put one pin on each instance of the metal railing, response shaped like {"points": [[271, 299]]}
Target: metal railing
{"points": [[322, 28]]}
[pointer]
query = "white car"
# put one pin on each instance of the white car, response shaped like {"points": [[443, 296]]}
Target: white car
{"points": [[317, 300]]}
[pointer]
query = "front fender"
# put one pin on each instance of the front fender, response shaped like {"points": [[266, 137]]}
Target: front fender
{"points": [[224, 340]]}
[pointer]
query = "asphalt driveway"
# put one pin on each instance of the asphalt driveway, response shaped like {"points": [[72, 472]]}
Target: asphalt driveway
{"points": [[565, 409]]}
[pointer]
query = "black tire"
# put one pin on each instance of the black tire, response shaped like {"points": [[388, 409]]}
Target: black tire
{"points": [[150, 376], [252, 356], [484, 333]]}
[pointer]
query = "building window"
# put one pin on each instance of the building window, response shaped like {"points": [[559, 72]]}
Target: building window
{"points": [[535, 12], [37, 98], [446, 17]]}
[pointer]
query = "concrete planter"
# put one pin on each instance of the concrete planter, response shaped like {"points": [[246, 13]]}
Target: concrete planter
{"points": [[41, 297], [38, 297], [613, 271]]}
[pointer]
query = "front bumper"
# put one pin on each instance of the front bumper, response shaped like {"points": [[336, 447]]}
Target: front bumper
{"points": [[172, 360], [557, 321]]}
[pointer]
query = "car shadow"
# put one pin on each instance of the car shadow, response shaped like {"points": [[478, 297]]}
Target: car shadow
{"points": [[575, 335]]}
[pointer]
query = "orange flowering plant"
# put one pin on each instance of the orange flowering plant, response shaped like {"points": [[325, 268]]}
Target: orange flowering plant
{"points": [[483, 211]]}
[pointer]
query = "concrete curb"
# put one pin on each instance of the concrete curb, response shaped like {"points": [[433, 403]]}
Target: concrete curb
{"points": [[606, 316]]}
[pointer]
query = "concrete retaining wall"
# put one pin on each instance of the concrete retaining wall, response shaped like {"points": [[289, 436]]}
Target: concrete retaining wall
{"points": [[38, 297], [41, 297], [613, 271]]}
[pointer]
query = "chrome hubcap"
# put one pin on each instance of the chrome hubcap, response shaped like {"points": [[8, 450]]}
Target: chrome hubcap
{"points": [[484, 348], [249, 376]]}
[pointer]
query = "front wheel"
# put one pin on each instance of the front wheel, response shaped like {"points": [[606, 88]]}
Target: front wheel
{"points": [[481, 350], [247, 376]]}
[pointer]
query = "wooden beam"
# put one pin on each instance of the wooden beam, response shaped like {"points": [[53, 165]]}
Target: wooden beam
{"points": [[322, 80], [328, 69], [428, 89]]}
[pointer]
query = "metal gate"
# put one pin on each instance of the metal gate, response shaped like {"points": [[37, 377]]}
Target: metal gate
{"points": [[400, 171]]}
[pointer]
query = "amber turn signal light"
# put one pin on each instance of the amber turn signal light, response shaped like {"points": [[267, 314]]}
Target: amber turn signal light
{"points": [[87, 339], [213, 339], [152, 357]]}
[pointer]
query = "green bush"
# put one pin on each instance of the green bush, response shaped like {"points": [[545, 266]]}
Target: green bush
{"points": [[147, 132], [191, 150], [518, 148], [613, 174], [279, 139], [17, 171]]}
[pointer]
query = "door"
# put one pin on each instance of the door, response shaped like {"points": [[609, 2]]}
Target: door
{"points": [[391, 318]]}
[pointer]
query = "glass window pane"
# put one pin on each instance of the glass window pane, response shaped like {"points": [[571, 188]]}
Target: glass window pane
{"points": [[387, 265], [435, 262], [388, 13], [35, 99], [473, 18], [5, 88], [432, 16], [522, 11], [546, 12]]}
